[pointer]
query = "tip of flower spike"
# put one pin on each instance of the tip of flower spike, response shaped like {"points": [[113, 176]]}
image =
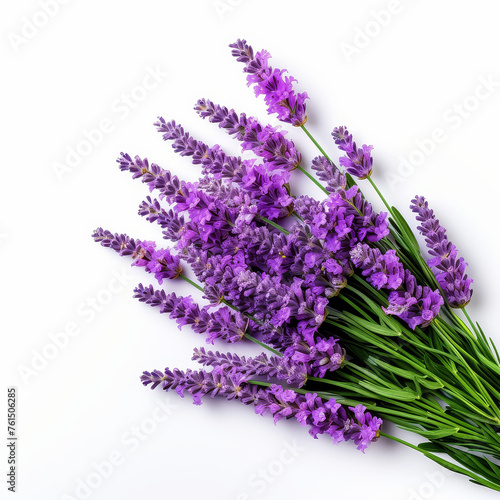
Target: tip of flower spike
{"points": [[99, 235], [241, 50], [201, 106]]}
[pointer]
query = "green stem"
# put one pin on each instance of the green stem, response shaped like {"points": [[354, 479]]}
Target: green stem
{"points": [[192, 282], [445, 463], [253, 339], [277, 226], [305, 172], [380, 195], [246, 335], [317, 144], [474, 329]]}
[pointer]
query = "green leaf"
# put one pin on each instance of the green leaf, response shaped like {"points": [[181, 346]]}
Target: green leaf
{"points": [[391, 368], [405, 230], [439, 433], [429, 384], [405, 394], [490, 364], [372, 326], [432, 447], [435, 434]]}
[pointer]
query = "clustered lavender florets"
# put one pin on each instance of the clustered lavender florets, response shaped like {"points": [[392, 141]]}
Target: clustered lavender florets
{"points": [[357, 161], [450, 269], [322, 417], [276, 88], [262, 281], [414, 304]]}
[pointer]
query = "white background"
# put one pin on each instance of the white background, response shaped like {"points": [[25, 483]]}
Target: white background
{"points": [[68, 74]]}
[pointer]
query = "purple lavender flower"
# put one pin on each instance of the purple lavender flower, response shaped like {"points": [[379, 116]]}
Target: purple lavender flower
{"points": [[358, 161], [159, 262], [173, 223], [368, 427], [381, 270], [272, 198], [275, 366], [367, 223], [197, 383], [277, 89], [324, 356], [322, 417], [414, 304], [164, 265], [120, 243], [450, 272], [309, 410], [266, 142], [335, 180], [153, 175], [224, 324]]}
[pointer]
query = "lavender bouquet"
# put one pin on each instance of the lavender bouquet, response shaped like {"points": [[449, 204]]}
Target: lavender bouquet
{"points": [[352, 319]]}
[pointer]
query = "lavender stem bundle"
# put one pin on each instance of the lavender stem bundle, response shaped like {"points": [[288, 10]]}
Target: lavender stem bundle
{"points": [[356, 325]]}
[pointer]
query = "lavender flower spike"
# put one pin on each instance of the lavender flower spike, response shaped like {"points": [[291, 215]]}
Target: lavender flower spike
{"points": [[309, 410], [277, 89], [358, 161], [335, 180], [275, 366], [159, 262], [450, 270], [223, 324], [414, 304], [265, 141]]}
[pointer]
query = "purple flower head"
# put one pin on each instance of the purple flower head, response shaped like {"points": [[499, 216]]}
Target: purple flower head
{"points": [[229, 379], [367, 427], [414, 304], [266, 142], [224, 324], [261, 365], [197, 383], [269, 190], [145, 255], [164, 265], [173, 224], [156, 177], [450, 270], [335, 180], [121, 243], [324, 356], [277, 89], [382, 270], [159, 262], [358, 161], [367, 223]]}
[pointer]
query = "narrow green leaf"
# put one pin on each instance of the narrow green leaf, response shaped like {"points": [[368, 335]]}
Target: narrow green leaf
{"points": [[439, 433], [391, 368], [429, 384], [402, 394]]}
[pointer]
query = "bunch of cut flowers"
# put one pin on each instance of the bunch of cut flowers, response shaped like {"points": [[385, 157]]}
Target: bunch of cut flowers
{"points": [[356, 325]]}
